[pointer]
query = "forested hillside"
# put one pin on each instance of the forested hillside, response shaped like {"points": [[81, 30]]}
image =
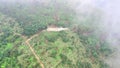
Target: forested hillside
{"points": [[25, 43]]}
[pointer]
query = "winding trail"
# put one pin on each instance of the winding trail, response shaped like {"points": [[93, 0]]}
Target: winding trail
{"points": [[27, 41], [30, 46], [32, 49], [36, 56]]}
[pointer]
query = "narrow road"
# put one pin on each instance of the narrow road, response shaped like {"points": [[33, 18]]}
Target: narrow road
{"points": [[30, 46], [27, 40], [36, 56]]}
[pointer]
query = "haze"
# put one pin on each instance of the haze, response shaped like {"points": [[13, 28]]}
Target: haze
{"points": [[111, 21]]}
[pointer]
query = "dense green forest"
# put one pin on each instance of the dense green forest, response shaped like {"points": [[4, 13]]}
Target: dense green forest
{"points": [[82, 46]]}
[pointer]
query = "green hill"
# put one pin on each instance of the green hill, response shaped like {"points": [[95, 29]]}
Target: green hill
{"points": [[82, 46]]}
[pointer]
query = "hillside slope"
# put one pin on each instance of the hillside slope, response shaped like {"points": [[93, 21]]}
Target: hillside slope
{"points": [[82, 46]]}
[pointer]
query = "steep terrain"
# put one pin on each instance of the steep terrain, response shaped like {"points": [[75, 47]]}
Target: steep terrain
{"points": [[25, 43]]}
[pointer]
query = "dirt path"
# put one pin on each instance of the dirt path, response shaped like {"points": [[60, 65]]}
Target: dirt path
{"points": [[32, 50], [30, 46], [36, 56], [27, 40]]}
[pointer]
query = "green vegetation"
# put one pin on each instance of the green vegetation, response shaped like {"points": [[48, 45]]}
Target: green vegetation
{"points": [[65, 50], [80, 47], [33, 18]]}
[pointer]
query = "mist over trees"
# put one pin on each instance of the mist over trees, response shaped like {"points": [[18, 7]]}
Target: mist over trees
{"points": [[84, 45]]}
